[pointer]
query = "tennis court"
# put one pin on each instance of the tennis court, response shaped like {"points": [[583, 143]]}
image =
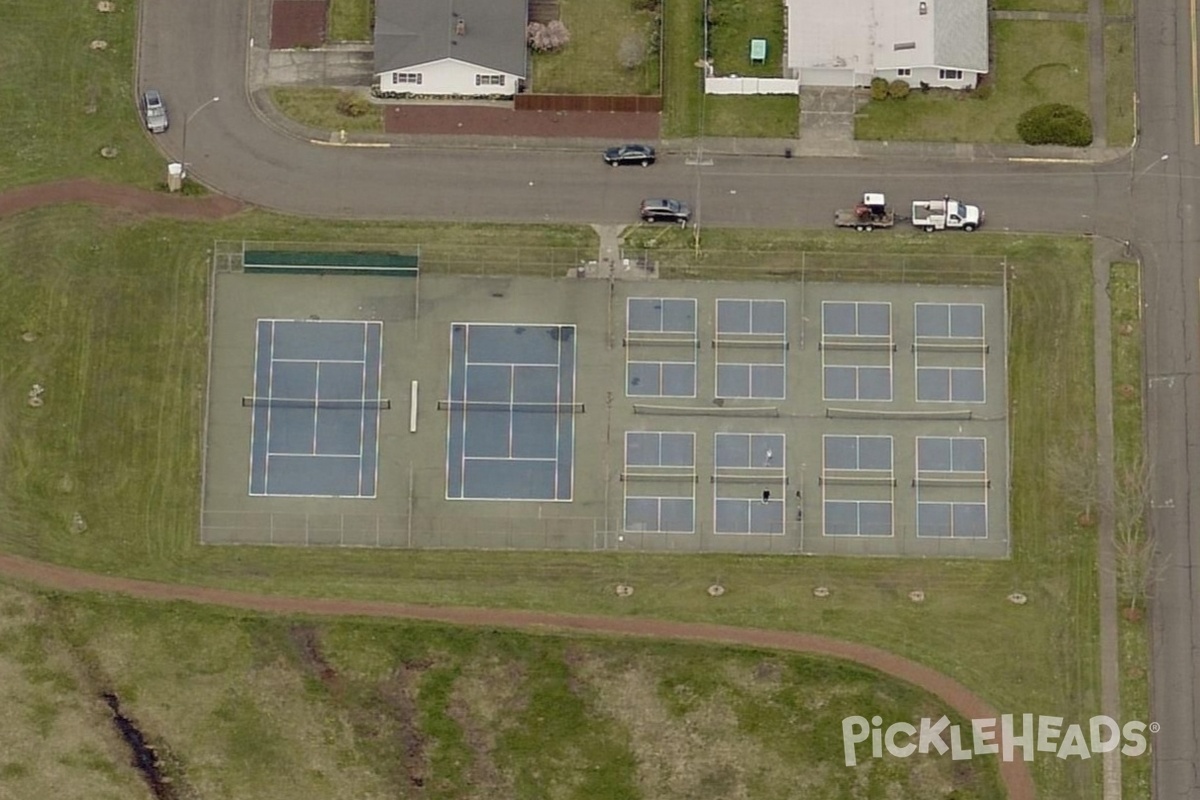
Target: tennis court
{"points": [[511, 426], [315, 408]]}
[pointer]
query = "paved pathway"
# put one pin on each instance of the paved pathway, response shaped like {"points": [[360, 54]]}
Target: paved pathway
{"points": [[1015, 774]]}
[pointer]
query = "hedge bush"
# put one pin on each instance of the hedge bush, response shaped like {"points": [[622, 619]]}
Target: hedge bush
{"points": [[352, 104], [879, 88], [1055, 123], [898, 89]]}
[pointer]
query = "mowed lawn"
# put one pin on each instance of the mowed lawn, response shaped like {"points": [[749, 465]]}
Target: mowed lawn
{"points": [[61, 101], [118, 311], [590, 63], [764, 116], [317, 108], [1035, 62], [275, 709], [734, 24], [351, 20]]}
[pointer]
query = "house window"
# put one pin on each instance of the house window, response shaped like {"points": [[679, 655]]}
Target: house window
{"points": [[406, 77], [950, 74], [904, 46], [489, 80], [904, 72]]}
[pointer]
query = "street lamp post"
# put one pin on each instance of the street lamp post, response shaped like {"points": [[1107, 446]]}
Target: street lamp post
{"points": [[1161, 159], [188, 119]]}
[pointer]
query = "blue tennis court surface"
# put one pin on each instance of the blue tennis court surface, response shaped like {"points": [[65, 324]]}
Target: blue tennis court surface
{"points": [[316, 404], [511, 430]]}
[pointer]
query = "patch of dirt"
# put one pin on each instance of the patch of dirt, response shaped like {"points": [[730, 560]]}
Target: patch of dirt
{"points": [[484, 702], [398, 702], [308, 647], [298, 23], [702, 754], [1127, 391]]}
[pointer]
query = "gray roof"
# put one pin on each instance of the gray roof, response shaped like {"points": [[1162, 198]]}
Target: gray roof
{"points": [[412, 32], [960, 35]]}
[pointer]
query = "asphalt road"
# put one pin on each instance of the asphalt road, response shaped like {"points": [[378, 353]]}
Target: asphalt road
{"points": [[194, 51]]}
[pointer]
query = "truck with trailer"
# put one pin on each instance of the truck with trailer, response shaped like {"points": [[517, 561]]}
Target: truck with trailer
{"points": [[939, 215], [873, 212]]}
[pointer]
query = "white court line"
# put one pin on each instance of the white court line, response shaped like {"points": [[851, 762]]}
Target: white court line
{"points": [[378, 392], [318, 361], [362, 416], [449, 417], [316, 407], [254, 412], [313, 455], [462, 490], [525, 364], [270, 389], [512, 400], [511, 458], [574, 399], [558, 415]]}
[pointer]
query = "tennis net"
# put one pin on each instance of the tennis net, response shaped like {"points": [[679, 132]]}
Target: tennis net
{"points": [[515, 408], [314, 403]]}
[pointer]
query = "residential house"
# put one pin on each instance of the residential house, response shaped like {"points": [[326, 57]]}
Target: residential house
{"points": [[936, 42], [450, 48]]}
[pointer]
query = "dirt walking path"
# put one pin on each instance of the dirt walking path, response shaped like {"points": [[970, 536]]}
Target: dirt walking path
{"points": [[1015, 774], [111, 195]]}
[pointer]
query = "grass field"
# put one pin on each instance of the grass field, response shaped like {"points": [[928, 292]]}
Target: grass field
{"points": [[350, 20], [771, 116], [260, 709], [1127, 343], [590, 63], [1060, 6], [317, 108], [1035, 62], [683, 80], [1119, 80], [111, 328], [61, 102], [735, 23]]}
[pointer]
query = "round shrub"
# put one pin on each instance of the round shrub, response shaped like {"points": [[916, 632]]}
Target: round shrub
{"points": [[352, 104], [898, 89], [879, 88], [1055, 123]]}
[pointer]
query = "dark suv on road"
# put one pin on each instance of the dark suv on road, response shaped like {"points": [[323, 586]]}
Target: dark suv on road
{"points": [[665, 210]]}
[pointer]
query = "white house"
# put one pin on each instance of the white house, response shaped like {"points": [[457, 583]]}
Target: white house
{"points": [[937, 42], [452, 48]]}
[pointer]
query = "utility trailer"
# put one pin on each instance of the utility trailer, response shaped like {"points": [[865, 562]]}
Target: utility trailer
{"points": [[873, 212]]}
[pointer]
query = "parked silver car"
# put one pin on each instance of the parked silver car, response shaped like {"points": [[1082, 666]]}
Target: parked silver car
{"points": [[154, 111]]}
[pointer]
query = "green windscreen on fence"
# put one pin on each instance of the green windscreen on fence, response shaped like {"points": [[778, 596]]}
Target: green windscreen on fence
{"points": [[341, 262]]}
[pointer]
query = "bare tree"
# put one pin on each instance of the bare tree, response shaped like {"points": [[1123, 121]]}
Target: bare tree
{"points": [[1139, 566], [1073, 471], [549, 37]]}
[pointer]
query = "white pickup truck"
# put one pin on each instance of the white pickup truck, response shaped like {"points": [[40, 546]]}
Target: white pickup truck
{"points": [[938, 215]]}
